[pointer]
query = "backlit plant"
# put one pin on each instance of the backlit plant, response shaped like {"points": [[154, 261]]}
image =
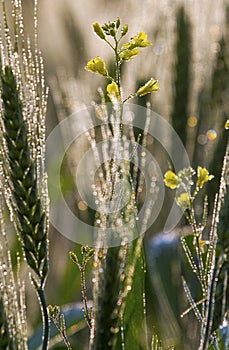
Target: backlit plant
{"points": [[118, 318]]}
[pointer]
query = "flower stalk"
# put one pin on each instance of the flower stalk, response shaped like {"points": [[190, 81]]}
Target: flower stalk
{"points": [[114, 265]]}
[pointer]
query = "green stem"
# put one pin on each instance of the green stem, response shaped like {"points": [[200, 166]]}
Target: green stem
{"points": [[84, 296], [210, 309], [64, 336], [118, 63], [45, 317], [129, 97]]}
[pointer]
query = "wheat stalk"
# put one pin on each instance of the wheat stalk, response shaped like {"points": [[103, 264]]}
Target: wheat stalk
{"points": [[22, 136]]}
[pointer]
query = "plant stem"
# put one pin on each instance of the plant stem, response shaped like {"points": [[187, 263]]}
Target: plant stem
{"points": [[45, 317], [84, 296], [64, 337], [117, 59], [210, 309]]}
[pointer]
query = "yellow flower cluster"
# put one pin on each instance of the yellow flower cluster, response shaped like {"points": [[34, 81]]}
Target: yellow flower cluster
{"points": [[123, 53], [184, 180], [129, 50], [139, 40]]}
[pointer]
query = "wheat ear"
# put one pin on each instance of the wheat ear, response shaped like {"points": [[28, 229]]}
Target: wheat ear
{"points": [[20, 170]]}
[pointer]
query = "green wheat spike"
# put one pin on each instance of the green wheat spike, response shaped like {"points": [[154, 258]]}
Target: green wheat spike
{"points": [[22, 174]]}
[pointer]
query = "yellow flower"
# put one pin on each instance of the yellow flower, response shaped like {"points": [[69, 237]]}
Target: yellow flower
{"points": [[97, 65], [202, 243], [184, 201], [171, 179], [139, 40], [127, 55], [112, 91], [202, 176], [150, 86]]}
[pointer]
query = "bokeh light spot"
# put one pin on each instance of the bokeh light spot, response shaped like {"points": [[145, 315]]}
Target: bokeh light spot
{"points": [[215, 31], [192, 121], [202, 139], [82, 206], [211, 135]]}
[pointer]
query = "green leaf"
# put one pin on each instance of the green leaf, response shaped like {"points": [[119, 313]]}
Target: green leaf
{"points": [[134, 322]]}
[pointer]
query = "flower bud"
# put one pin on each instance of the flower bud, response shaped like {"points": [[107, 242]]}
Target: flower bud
{"points": [[150, 86], [112, 32], [117, 23], [124, 30], [98, 30]]}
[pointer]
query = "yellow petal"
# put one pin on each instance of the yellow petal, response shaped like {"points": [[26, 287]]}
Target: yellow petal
{"points": [[97, 65], [112, 88], [150, 86], [184, 201], [139, 40], [127, 54], [202, 176], [171, 179], [112, 91]]}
